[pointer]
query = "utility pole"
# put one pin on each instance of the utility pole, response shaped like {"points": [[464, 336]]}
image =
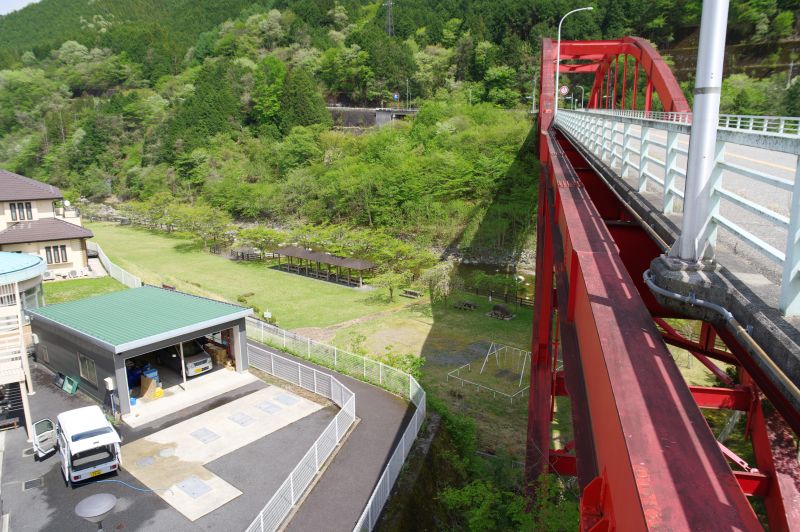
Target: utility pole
{"points": [[389, 18]]}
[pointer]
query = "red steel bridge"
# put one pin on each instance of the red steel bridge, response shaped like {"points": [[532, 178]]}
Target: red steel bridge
{"points": [[609, 201]]}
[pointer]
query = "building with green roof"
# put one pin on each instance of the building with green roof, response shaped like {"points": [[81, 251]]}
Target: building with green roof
{"points": [[93, 338]]}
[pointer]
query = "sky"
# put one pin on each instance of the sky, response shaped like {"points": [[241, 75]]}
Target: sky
{"points": [[7, 6]]}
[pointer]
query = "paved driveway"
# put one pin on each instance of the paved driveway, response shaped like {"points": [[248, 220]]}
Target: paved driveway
{"points": [[50, 506]]}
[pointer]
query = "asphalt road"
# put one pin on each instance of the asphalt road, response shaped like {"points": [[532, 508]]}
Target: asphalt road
{"points": [[338, 499]]}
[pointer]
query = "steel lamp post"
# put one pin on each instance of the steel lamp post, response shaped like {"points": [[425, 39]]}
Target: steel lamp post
{"points": [[558, 52]]}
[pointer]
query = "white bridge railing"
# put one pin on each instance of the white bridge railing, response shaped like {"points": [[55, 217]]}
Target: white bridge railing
{"points": [[778, 125], [754, 197], [362, 368], [291, 491], [126, 278]]}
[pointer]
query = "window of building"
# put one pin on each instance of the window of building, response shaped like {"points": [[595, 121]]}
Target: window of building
{"points": [[28, 210], [87, 369], [56, 254], [21, 210], [13, 212]]}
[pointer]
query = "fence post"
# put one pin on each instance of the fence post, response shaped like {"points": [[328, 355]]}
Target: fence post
{"points": [[365, 366], [790, 286], [315, 381], [380, 373]]}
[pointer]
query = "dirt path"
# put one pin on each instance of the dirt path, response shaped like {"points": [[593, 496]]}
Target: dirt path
{"points": [[326, 334]]}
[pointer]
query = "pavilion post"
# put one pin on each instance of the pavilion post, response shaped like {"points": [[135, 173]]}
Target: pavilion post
{"points": [[183, 367]]}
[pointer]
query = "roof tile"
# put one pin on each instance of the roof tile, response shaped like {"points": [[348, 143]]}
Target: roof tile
{"points": [[14, 187], [42, 230]]}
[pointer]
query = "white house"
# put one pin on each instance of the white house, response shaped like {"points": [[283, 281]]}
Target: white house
{"points": [[33, 219]]}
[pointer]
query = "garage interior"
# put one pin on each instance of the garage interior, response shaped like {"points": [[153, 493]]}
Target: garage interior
{"points": [[125, 348]]}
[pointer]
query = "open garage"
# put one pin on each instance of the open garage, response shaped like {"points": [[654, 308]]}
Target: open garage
{"points": [[148, 351]]}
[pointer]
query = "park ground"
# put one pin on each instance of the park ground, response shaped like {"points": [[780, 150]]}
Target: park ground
{"points": [[363, 320]]}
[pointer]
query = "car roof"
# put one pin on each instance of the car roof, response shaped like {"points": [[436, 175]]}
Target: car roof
{"points": [[81, 420]]}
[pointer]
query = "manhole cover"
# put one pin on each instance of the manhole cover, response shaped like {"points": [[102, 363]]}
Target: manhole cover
{"points": [[31, 484], [194, 487], [166, 453], [269, 408], [146, 461], [204, 435], [28, 452], [240, 418], [287, 399]]}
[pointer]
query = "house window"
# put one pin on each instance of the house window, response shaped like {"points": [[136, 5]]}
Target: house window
{"points": [[21, 210], [87, 369], [56, 254], [13, 212], [28, 210]]}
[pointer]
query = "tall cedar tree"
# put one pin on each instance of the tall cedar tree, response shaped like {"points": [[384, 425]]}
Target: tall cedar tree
{"points": [[301, 103]]}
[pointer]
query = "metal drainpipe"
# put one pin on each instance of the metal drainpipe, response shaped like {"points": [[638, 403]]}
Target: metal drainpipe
{"points": [[692, 243], [732, 325]]}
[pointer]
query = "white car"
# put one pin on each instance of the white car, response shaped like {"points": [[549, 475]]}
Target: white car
{"points": [[89, 446]]}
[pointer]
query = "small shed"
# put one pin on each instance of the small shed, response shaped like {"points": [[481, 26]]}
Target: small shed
{"points": [[93, 338]]}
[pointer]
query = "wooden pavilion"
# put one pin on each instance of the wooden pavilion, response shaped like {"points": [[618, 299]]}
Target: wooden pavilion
{"points": [[321, 265]]}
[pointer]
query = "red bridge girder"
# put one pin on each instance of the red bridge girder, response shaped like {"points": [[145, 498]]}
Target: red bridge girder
{"points": [[643, 453]]}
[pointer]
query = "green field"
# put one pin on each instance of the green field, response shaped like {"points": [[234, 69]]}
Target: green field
{"points": [[60, 291], [295, 301]]}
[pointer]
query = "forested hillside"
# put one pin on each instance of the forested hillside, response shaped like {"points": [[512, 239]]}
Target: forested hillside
{"points": [[222, 104]]}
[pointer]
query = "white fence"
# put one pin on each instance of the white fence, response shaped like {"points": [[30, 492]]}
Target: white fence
{"points": [[366, 369], [128, 279], [778, 125], [298, 481], [755, 179]]}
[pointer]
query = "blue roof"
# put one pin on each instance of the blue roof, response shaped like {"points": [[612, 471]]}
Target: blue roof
{"points": [[19, 267]]}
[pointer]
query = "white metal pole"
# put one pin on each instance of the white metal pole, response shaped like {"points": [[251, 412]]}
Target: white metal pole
{"points": [[558, 53], [693, 241], [582, 94], [183, 367]]}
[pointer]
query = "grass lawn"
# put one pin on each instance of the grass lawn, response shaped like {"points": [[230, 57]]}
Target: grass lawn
{"points": [[60, 291], [295, 301]]}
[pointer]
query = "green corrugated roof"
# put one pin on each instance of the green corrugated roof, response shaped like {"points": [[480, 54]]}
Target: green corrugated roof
{"points": [[125, 319]]}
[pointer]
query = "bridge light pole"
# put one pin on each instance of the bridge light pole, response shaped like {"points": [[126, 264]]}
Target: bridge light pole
{"points": [[558, 52], [697, 228], [582, 93]]}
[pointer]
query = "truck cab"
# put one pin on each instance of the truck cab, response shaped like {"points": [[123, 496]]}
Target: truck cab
{"points": [[87, 443]]}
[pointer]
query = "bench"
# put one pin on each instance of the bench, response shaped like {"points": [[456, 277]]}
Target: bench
{"points": [[407, 292], [465, 305]]}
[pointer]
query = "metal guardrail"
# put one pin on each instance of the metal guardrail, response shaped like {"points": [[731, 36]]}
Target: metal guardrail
{"points": [[126, 278], [778, 125], [366, 369], [292, 489], [647, 147]]}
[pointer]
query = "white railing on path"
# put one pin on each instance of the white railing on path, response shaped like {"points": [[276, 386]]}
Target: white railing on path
{"points": [[756, 206], [126, 278], [292, 489], [366, 369]]}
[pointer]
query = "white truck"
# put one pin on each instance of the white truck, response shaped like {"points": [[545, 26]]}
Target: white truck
{"points": [[88, 444]]}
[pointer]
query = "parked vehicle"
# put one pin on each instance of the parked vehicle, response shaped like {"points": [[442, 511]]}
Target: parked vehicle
{"points": [[87, 443], [196, 359]]}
